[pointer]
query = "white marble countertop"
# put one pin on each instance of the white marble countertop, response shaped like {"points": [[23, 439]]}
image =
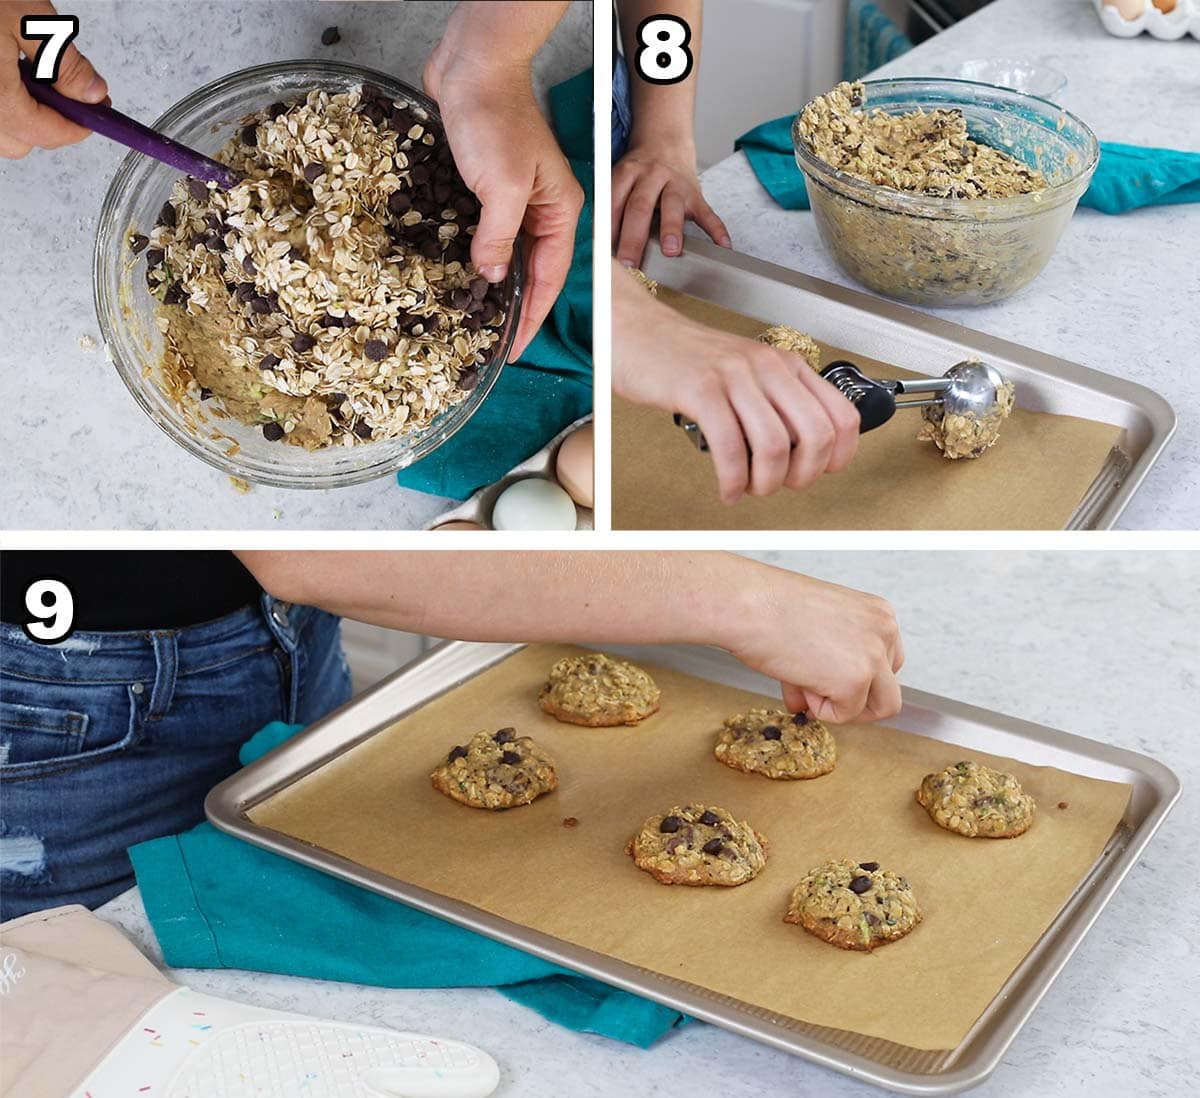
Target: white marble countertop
{"points": [[1116, 293], [79, 454], [1101, 644]]}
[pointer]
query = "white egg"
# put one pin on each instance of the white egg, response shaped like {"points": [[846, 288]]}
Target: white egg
{"points": [[533, 504]]}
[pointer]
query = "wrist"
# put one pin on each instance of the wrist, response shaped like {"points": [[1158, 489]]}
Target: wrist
{"points": [[663, 143]]}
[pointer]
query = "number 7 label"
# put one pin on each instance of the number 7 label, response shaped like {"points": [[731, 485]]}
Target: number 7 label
{"points": [[55, 33]]}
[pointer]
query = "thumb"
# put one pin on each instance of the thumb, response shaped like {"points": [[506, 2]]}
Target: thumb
{"points": [[824, 708], [503, 210], [798, 700], [78, 80]]}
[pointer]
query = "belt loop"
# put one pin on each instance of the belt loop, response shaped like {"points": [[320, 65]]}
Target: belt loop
{"points": [[166, 659], [284, 620]]}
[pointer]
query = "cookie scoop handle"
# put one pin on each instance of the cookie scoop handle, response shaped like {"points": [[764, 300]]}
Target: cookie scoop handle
{"points": [[127, 131]]}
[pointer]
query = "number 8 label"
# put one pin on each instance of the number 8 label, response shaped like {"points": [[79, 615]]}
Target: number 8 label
{"points": [[663, 56]]}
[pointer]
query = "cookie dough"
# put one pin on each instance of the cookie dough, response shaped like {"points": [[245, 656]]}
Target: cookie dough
{"points": [[649, 283], [922, 152], [599, 691], [698, 845], [977, 801], [853, 905], [966, 436], [795, 341], [496, 770], [776, 743], [329, 298]]}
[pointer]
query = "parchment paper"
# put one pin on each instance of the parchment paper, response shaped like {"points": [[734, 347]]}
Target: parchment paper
{"points": [[1032, 479], [986, 901]]}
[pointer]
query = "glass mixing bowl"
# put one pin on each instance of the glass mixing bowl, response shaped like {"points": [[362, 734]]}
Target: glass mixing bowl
{"points": [[205, 120], [949, 251]]}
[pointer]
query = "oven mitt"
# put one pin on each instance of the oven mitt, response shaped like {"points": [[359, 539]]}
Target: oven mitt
{"points": [[217, 902], [551, 385], [87, 1016], [1128, 176]]}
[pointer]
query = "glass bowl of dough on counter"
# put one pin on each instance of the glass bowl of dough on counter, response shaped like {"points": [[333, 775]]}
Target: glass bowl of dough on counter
{"points": [[319, 325], [963, 218]]}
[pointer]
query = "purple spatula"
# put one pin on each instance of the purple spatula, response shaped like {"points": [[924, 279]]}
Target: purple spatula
{"points": [[127, 131]]}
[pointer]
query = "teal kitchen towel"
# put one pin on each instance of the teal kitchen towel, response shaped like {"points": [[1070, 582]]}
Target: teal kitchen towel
{"points": [[217, 902], [871, 40], [1127, 178], [551, 385]]}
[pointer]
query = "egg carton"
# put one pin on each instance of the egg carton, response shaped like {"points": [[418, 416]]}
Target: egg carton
{"points": [[479, 507], [1185, 19]]}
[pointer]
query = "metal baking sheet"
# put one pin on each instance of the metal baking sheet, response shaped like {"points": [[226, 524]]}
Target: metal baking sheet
{"points": [[895, 1067], [905, 337]]}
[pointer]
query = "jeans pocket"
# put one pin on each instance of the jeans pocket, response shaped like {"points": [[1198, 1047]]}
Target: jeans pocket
{"points": [[31, 733]]}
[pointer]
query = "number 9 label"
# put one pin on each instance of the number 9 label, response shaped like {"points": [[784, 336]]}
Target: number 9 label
{"points": [[51, 608], [663, 56]]}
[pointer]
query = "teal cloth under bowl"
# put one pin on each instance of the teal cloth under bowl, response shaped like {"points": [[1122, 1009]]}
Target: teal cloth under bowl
{"points": [[217, 902]]}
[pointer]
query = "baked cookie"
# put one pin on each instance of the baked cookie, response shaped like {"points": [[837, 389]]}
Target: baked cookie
{"points": [[853, 906], [650, 285], [776, 743], [698, 845], [598, 691], [795, 341], [496, 770], [977, 801]]}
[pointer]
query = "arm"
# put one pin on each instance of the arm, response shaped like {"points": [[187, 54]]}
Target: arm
{"points": [[770, 421], [504, 149], [658, 170], [25, 123], [835, 650]]}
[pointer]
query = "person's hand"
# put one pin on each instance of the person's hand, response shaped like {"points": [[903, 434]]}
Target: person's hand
{"points": [[835, 650], [508, 156], [770, 421], [26, 124], [663, 179]]}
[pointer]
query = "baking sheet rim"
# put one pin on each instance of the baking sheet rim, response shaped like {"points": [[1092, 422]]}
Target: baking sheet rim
{"points": [[228, 803]]}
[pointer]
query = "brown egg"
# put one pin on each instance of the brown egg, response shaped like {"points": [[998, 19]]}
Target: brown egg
{"points": [[1164, 6], [576, 463], [460, 524], [1129, 9]]}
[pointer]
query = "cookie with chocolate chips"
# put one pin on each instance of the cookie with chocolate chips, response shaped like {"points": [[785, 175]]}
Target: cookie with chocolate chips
{"points": [[776, 743], [977, 801], [496, 770], [853, 905], [698, 845], [599, 691]]}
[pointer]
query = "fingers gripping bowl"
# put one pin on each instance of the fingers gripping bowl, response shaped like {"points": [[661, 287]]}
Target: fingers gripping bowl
{"points": [[935, 250], [130, 308]]}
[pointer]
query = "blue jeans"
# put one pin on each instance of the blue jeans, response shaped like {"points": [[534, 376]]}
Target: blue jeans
{"points": [[622, 109], [110, 739]]}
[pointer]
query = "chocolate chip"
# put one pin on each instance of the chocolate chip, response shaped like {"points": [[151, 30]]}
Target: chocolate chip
{"points": [[713, 846], [276, 109], [771, 732], [505, 735], [461, 298], [363, 430], [479, 288], [457, 752], [670, 824], [431, 249], [260, 305], [464, 206], [303, 342], [454, 252], [1063, 804], [872, 919], [870, 867], [593, 669], [175, 295], [710, 818], [314, 171], [372, 91], [137, 243], [399, 202], [468, 379], [570, 821], [375, 349], [859, 885], [442, 192], [155, 257], [248, 266], [800, 719], [205, 393], [420, 174], [856, 101], [272, 432], [269, 361], [510, 757], [401, 119], [472, 323], [245, 292], [196, 240], [197, 189], [250, 136], [330, 36], [295, 254], [214, 241], [167, 215]]}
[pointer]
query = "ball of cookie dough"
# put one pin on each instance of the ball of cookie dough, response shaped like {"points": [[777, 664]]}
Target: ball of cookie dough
{"points": [[966, 436], [776, 743], [698, 845], [977, 801], [853, 905], [599, 691], [650, 285], [496, 770], [795, 341]]}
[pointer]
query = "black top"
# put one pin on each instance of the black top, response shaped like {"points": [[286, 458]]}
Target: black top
{"points": [[115, 590]]}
